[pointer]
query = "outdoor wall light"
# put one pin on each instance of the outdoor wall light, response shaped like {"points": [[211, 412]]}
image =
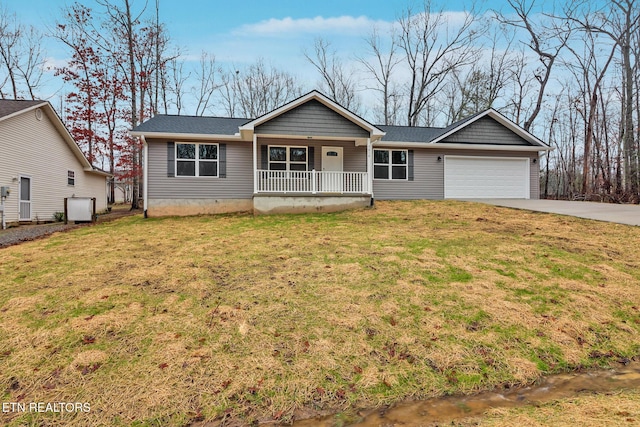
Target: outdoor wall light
{"points": [[534, 161], [439, 158]]}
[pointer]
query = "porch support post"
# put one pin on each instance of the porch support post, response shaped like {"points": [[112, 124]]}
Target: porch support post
{"points": [[145, 175], [314, 182], [255, 164], [369, 167]]}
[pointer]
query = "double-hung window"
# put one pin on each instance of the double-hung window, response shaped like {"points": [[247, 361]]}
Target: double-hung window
{"points": [[390, 164], [196, 159], [287, 158], [71, 178]]}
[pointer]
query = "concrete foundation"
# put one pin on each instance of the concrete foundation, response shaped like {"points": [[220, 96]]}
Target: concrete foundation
{"points": [[276, 204], [186, 207]]}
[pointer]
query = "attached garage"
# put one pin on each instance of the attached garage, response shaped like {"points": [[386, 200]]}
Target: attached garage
{"points": [[469, 177]]}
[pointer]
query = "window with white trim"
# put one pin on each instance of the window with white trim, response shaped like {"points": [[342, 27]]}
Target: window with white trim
{"points": [[287, 158], [196, 159], [71, 178], [390, 164]]}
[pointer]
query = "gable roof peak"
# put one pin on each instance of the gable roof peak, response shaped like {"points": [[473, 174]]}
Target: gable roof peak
{"points": [[11, 107], [498, 117], [375, 132]]}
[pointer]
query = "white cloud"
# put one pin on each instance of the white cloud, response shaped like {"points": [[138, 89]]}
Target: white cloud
{"points": [[319, 24], [51, 63]]}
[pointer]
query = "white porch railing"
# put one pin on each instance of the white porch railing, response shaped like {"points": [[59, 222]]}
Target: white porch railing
{"points": [[312, 182]]}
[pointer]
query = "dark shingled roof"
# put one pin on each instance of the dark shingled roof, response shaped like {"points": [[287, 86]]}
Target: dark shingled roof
{"points": [[409, 134], [8, 106], [229, 126], [192, 124]]}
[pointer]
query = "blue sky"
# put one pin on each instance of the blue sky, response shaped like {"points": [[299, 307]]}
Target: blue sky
{"points": [[239, 32], [231, 28]]}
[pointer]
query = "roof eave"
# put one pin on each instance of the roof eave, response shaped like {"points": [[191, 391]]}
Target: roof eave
{"points": [[98, 172], [461, 146], [186, 136], [25, 110]]}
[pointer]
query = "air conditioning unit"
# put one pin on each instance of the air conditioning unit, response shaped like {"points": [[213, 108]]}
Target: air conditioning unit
{"points": [[80, 209]]}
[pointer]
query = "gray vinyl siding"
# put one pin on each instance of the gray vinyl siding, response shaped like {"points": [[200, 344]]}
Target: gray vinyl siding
{"points": [[237, 185], [313, 119], [428, 180], [354, 158], [485, 131], [429, 175]]}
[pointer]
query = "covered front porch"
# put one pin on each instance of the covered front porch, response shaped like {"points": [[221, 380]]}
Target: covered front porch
{"points": [[312, 182], [294, 167], [311, 155]]}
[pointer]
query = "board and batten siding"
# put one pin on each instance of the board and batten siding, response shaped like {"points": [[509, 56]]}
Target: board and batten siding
{"points": [[313, 119], [35, 149], [237, 185], [485, 131], [429, 175], [354, 158]]}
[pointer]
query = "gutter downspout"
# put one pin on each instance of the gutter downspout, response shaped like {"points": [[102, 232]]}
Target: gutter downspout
{"points": [[4, 224], [370, 168], [255, 164], [145, 173]]}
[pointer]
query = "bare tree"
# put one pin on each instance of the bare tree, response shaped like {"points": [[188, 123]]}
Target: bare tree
{"points": [[589, 74], [432, 51], [545, 40], [123, 24], [174, 82], [337, 80], [620, 21], [381, 64], [256, 90], [206, 81], [9, 43], [477, 88], [520, 87], [21, 57]]}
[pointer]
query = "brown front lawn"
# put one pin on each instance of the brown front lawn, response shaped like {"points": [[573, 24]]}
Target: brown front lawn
{"points": [[240, 318]]}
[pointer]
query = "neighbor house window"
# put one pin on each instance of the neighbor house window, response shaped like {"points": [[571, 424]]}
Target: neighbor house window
{"points": [[71, 178], [197, 160], [390, 164], [287, 158]]}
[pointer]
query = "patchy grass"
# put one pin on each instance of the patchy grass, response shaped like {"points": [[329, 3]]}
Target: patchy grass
{"points": [[610, 409], [240, 318]]}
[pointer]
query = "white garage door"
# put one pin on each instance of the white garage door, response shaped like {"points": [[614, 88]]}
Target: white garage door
{"points": [[486, 178]]}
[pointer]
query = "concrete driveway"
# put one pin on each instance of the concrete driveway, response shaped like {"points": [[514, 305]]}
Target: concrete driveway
{"points": [[622, 214]]}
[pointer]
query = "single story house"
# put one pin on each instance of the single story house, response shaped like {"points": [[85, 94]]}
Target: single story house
{"points": [[312, 154], [41, 164]]}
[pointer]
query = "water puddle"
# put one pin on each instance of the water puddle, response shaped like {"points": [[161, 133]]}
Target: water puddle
{"points": [[447, 409]]}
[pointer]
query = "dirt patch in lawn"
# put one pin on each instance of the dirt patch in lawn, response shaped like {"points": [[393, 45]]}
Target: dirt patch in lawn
{"points": [[242, 319]]}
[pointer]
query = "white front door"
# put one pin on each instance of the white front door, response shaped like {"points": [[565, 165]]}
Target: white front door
{"points": [[25, 198], [331, 179], [332, 159]]}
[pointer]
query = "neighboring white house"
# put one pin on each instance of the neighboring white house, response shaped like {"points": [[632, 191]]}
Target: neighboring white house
{"points": [[41, 163]]}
